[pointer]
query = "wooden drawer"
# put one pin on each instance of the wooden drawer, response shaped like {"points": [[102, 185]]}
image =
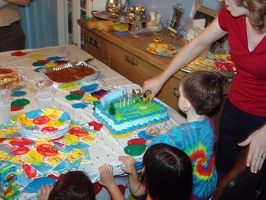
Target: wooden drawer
{"points": [[127, 72], [97, 46], [132, 67]]}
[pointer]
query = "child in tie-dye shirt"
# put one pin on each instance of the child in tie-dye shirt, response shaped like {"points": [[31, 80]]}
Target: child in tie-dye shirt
{"points": [[199, 93]]}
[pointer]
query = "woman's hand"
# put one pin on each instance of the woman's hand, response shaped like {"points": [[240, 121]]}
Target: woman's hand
{"points": [[154, 85], [257, 149]]}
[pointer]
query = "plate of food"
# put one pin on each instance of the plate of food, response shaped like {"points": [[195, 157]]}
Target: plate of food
{"points": [[13, 79], [160, 49], [198, 64], [71, 72]]}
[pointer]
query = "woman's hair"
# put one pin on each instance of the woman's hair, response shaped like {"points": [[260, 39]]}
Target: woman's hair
{"points": [[167, 173], [74, 185], [203, 89], [257, 13]]}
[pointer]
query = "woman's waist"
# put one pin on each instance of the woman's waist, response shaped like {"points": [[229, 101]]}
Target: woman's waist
{"points": [[249, 99]]}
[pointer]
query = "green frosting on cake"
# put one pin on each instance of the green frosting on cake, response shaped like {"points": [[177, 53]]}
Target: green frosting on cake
{"points": [[124, 111]]}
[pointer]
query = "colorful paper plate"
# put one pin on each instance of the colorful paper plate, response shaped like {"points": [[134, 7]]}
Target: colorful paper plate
{"points": [[166, 50]]}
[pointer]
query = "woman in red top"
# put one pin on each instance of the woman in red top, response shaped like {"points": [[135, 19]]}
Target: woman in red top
{"points": [[243, 120]]}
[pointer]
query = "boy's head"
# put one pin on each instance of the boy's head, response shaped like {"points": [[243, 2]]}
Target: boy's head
{"points": [[74, 185], [167, 172], [202, 89]]}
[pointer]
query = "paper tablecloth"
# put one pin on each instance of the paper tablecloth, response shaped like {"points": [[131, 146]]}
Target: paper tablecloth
{"points": [[106, 148]]}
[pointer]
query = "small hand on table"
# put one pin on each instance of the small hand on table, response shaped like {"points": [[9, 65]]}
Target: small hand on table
{"points": [[44, 192]]}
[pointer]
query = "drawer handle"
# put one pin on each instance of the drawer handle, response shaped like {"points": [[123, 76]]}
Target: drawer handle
{"points": [[176, 92], [94, 42], [132, 62]]}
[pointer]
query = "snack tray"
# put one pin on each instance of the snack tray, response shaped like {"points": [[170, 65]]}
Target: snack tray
{"points": [[76, 66], [196, 67]]}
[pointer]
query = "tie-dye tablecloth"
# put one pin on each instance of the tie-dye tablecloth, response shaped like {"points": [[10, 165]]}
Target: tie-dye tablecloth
{"points": [[86, 153]]}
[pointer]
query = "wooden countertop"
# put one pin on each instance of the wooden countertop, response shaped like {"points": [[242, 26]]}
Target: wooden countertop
{"points": [[138, 47]]}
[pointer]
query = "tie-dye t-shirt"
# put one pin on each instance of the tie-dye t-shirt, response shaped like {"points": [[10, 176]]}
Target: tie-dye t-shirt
{"points": [[197, 139]]}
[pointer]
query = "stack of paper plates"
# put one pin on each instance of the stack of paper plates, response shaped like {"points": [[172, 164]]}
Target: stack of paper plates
{"points": [[44, 124]]}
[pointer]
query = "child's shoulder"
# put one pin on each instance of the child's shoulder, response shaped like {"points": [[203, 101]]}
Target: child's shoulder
{"points": [[211, 122]]}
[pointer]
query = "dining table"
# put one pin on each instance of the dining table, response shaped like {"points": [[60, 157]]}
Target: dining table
{"points": [[87, 154]]}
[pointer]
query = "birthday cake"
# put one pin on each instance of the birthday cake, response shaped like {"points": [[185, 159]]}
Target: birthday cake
{"points": [[43, 124], [122, 113]]}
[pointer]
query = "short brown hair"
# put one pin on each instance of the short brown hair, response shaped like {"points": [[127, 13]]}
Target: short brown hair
{"points": [[257, 13], [74, 185], [203, 89]]}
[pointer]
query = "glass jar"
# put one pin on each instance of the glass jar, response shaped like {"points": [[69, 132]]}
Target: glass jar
{"points": [[114, 8]]}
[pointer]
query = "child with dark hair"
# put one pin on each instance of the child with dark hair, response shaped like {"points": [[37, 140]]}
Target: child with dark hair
{"points": [[74, 185], [166, 174], [200, 92]]}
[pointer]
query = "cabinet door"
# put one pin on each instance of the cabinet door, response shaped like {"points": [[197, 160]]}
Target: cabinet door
{"points": [[97, 46]]}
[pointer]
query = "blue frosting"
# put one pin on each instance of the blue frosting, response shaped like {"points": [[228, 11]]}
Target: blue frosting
{"points": [[133, 127]]}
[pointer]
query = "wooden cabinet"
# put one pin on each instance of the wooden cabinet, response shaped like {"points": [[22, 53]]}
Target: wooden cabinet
{"points": [[130, 66], [128, 56], [97, 46]]}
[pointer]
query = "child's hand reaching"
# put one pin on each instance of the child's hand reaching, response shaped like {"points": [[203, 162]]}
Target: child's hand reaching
{"points": [[44, 192], [152, 131], [137, 188], [107, 180], [129, 162], [106, 176]]}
